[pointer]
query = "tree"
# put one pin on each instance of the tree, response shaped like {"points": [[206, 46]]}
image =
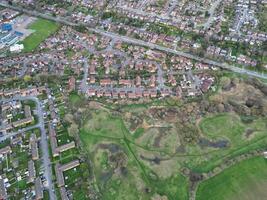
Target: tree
{"points": [[73, 130], [207, 14], [81, 28], [27, 78]]}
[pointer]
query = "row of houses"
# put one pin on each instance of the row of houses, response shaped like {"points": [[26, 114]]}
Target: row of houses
{"points": [[56, 150], [34, 147], [32, 91], [59, 169], [123, 94]]}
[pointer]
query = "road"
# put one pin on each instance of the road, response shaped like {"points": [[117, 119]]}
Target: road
{"points": [[44, 143], [12, 134], [211, 11], [143, 43]]}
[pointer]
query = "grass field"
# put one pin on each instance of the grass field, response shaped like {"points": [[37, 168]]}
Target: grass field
{"points": [[175, 187], [244, 181], [104, 124], [43, 29], [222, 125], [74, 98]]}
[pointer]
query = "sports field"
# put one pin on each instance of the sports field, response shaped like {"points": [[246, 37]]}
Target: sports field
{"points": [[244, 181], [43, 29]]}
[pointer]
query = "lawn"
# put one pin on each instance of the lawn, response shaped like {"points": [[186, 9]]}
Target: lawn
{"points": [[245, 180], [43, 29]]}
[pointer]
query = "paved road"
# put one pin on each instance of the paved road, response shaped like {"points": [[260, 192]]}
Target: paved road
{"points": [[12, 134], [211, 11], [180, 53], [143, 43], [44, 143]]}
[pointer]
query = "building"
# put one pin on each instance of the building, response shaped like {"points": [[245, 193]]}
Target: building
{"points": [[6, 27], [71, 84], [54, 146], [61, 168], [34, 147], [16, 48], [38, 187], [23, 122], [5, 150], [63, 193], [66, 147], [32, 172], [27, 111], [3, 193], [69, 165]]}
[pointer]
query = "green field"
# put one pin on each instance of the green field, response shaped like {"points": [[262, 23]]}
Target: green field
{"points": [[175, 187], [222, 125], [244, 181], [43, 29], [104, 124]]}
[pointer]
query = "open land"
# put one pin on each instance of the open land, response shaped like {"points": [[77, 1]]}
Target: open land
{"points": [[42, 29], [155, 144], [245, 180]]}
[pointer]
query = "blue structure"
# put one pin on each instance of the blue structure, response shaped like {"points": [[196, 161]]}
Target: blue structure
{"points": [[6, 27], [18, 33]]}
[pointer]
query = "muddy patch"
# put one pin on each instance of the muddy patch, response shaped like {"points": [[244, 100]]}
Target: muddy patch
{"points": [[104, 177], [155, 160], [113, 148], [214, 144], [166, 114], [158, 139], [249, 132], [181, 149]]}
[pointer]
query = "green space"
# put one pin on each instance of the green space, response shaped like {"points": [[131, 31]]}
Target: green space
{"points": [[102, 127], [245, 180], [42, 30], [175, 187], [113, 185], [104, 132], [102, 123], [242, 138]]}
